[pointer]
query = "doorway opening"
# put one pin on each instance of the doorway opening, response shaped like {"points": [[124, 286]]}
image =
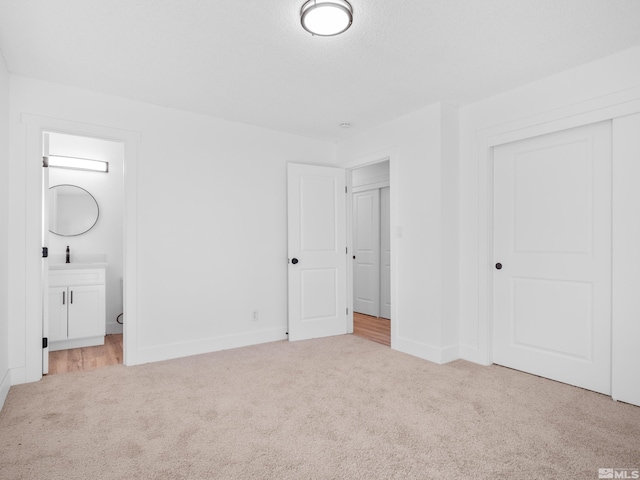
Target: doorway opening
{"points": [[371, 240], [83, 275]]}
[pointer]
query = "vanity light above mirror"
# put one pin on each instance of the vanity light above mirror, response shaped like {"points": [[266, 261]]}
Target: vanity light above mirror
{"points": [[76, 163]]}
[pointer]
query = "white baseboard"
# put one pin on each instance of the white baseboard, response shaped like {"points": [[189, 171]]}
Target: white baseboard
{"points": [[449, 354], [18, 376], [426, 351], [5, 384], [207, 345], [472, 354]]}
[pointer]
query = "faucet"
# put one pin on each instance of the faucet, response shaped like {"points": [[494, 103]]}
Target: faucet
{"points": [[68, 255]]}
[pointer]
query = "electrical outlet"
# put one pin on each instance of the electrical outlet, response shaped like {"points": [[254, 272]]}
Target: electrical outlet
{"points": [[255, 316]]}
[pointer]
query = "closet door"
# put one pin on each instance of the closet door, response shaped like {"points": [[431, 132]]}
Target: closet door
{"points": [[366, 241], [552, 256]]}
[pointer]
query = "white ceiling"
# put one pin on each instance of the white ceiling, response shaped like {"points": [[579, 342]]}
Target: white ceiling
{"points": [[251, 61]]}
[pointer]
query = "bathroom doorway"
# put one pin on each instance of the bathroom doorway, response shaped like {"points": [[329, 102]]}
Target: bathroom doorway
{"points": [[371, 240], [83, 230]]}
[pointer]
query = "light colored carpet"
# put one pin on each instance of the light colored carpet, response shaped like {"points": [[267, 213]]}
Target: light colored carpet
{"points": [[339, 407]]}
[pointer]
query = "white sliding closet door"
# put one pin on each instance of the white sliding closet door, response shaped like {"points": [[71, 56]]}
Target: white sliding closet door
{"points": [[552, 256]]}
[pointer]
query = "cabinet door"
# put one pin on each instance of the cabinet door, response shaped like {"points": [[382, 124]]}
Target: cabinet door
{"points": [[58, 300], [86, 311]]}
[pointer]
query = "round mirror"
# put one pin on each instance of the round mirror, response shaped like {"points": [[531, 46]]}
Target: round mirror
{"points": [[72, 210]]}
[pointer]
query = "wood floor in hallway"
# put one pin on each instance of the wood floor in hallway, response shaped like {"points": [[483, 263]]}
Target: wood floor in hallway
{"points": [[372, 328], [87, 358]]}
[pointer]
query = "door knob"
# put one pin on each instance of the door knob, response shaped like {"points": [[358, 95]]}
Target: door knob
{"points": [[294, 260], [498, 266]]}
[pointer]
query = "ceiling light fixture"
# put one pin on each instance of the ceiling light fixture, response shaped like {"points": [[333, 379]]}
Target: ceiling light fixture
{"points": [[326, 18]]}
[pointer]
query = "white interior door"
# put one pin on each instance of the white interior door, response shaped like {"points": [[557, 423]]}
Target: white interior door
{"points": [[317, 253], [44, 273], [366, 248], [385, 253], [552, 236]]}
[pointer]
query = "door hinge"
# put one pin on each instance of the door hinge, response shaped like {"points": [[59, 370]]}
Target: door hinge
{"points": [[45, 342], [345, 189], [45, 162], [45, 252], [346, 250], [347, 311]]}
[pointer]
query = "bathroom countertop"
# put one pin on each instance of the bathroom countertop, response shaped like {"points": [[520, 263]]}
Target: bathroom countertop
{"points": [[76, 266]]}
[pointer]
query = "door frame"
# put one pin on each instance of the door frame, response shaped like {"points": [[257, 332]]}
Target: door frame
{"points": [[608, 107], [392, 156], [35, 126]]}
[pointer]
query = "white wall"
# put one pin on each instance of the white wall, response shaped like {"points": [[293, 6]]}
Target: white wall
{"points": [[106, 237], [422, 148], [580, 91], [211, 229], [4, 230]]}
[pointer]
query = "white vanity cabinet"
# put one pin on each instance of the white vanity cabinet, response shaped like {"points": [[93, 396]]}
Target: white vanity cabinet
{"points": [[76, 308]]}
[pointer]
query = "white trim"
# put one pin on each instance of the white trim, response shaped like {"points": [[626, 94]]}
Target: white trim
{"points": [[18, 375], [35, 126], [390, 155], [625, 275], [5, 384], [208, 345], [350, 248], [617, 104], [603, 108], [471, 354], [371, 186], [428, 352], [449, 354]]}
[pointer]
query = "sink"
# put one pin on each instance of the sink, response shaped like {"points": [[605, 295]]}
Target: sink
{"points": [[78, 261]]}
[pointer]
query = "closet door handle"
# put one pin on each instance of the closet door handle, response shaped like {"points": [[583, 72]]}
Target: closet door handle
{"points": [[71, 301], [63, 297]]}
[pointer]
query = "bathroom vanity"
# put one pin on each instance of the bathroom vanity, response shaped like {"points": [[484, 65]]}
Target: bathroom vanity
{"points": [[76, 305]]}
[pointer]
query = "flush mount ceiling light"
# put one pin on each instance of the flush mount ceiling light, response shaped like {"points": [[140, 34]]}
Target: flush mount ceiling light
{"points": [[75, 163], [326, 18]]}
